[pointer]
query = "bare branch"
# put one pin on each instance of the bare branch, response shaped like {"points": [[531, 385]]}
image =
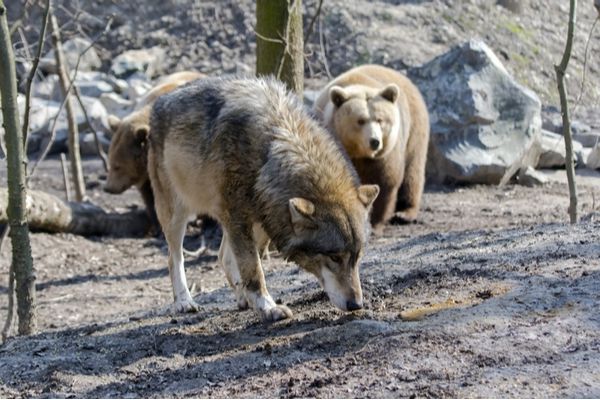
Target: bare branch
{"points": [[322, 44], [312, 23], [585, 60], [65, 172], [266, 39], [99, 149], [32, 73]]}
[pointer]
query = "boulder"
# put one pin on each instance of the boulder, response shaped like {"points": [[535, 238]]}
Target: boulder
{"points": [[47, 88], [551, 119], [87, 143], [483, 123], [553, 152], [116, 104], [584, 134], [46, 110], [72, 49], [592, 160], [528, 176], [149, 61], [90, 84]]}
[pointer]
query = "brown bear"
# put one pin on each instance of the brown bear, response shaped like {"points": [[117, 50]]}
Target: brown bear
{"points": [[128, 151], [380, 118]]}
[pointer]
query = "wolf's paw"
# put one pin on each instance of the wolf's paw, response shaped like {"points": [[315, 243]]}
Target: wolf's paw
{"points": [[242, 303], [186, 306], [276, 313]]}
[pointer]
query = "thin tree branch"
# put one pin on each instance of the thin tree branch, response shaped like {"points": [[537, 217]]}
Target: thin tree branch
{"points": [[266, 39], [99, 149], [312, 23], [32, 73], [63, 165], [585, 60], [322, 44]]}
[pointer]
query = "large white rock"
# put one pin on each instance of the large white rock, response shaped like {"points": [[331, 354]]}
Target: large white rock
{"points": [[482, 120], [149, 61], [553, 151], [592, 160], [72, 49]]}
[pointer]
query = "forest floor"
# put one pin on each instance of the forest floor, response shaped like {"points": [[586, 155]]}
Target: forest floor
{"points": [[491, 294]]}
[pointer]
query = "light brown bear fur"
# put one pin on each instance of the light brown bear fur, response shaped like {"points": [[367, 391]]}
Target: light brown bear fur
{"points": [[371, 104], [128, 151]]}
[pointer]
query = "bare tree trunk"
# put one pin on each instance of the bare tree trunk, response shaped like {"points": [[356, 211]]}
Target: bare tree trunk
{"points": [[279, 48], [50, 214], [561, 70], [17, 190], [63, 75]]}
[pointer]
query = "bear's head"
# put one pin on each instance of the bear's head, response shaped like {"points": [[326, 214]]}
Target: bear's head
{"points": [[366, 120], [128, 152]]}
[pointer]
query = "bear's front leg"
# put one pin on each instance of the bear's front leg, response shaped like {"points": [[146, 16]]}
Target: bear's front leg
{"points": [[383, 207]]}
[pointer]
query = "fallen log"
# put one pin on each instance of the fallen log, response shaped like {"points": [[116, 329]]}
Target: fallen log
{"points": [[48, 213]]}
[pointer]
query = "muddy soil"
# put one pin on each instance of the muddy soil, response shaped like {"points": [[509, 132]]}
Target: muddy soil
{"points": [[491, 294]]}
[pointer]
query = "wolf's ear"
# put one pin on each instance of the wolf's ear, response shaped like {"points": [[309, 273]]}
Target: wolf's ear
{"points": [[390, 93], [301, 211], [113, 123], [338, 96], [367, 194], [141, 134]]}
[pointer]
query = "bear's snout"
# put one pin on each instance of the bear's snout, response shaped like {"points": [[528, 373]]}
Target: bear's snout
{"points": [[374, 143]]}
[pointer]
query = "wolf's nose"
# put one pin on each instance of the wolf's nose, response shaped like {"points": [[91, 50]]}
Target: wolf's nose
{"points": [[374, 143], [352, 305]]}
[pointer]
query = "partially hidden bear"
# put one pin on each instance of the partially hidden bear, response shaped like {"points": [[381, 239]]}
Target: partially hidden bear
{"points": [[128, 151], [380, 118]]}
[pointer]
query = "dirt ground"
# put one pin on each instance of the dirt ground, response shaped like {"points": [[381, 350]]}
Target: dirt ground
{"points": [[491, 294]]}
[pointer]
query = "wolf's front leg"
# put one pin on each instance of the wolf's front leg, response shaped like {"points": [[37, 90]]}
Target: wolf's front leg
{"points": [[253, 287], [232, 272]]}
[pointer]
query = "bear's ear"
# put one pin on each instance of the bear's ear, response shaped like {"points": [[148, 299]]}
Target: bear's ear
{"points": [[367, 194], [141, 134], [301, 211], [113, 123], [390, 93], [337, 95]]}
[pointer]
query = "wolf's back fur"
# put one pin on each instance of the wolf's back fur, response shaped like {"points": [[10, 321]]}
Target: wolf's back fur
{"points": [[241, 150]]}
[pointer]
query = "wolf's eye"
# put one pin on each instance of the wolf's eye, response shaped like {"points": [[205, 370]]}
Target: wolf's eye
{"points": [[337, 259]]}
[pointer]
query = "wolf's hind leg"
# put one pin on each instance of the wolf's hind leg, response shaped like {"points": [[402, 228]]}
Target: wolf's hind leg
{"points": [[252, 278]]}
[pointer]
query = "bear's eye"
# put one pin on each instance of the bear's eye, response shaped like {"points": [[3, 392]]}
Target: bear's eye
{"points": [[379, 121], [361, 121]]}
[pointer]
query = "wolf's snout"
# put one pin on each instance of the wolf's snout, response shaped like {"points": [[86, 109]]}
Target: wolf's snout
{"points": [[352, 305], [374, 143]]}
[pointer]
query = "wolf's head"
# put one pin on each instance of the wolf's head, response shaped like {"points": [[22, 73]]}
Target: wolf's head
{"points": [[328, 241]]}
